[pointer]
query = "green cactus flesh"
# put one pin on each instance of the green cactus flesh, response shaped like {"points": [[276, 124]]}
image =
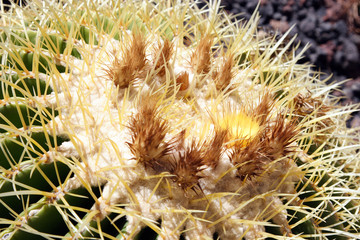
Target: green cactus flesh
{"points": [[160, 120]]}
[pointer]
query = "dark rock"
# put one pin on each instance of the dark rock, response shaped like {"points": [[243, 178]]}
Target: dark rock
{"points": [[267, 11], [308, 24], [251, 6], [313, 3], [322, 58], [321, 12], [325, 26], [356, 89], [355, 38], [339, 58], [302, 13], [312, 43], [351, 51], [325, 32], [340, 27], [352, 62], [277, 16], [236, 6], [314, 57]]}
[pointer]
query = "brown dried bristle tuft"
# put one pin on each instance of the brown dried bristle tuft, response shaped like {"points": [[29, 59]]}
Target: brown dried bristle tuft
{"points": [[215, 148], [162, 55], [248, 159], [201, 57], [223, 76], [135, 55], [279, 137], [148, 131], [188, 166], [124, 72], [271, 143], [305, 106], [182, 80], [262, 111]]}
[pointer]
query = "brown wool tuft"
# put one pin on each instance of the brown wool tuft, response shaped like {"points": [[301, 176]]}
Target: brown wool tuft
{"points": [[215, 148], [262, 111], [249, 159], [162, 55], [273, 142], [123, 72], [305, 106], [148, 131], [135, 55], [223, 76], [188, 166], [280, 137], [201, 57], [120, 74], [182, 80]]}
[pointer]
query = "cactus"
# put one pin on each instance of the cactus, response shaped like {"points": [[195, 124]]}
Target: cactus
{"points": [[163, 120]]}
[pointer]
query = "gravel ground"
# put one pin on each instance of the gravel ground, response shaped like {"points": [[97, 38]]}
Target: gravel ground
{"points": [[332, 27]]}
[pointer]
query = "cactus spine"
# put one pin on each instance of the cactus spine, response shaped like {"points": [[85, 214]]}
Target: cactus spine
{"points": [[144, 120]]}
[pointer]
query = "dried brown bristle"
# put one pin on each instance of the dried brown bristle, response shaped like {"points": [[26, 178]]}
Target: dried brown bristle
{"points": [[271, 143], [148, 131], [223, 76], [262, 111], [182, 80], [201, 57], [188, 166], [279, 137], [305, 106], [162, 55], [248, 159], [135, 55], [124, 71], [116, 72], [215, 148]]}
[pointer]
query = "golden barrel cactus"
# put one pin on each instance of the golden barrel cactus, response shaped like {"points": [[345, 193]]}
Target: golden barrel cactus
{"points": [[163, 120]]}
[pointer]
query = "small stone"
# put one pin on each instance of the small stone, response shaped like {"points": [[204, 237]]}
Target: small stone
{"points": [[340, 27], [313, 57], [282, 26], [266, 11], [325, 32], [236, 6], [355, 38], [339, 58], [277, 16], [351, 51], [308, 24], [302, 14], [251, 6], [322, 58]]}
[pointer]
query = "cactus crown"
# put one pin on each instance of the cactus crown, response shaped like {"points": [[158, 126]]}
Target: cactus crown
{"points": [[166, 116]]}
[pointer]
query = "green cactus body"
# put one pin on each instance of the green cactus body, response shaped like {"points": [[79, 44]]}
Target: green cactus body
{"points": [[160, 120]]}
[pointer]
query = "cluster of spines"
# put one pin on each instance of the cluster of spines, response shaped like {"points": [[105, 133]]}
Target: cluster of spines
{"points": [[123, 72], [150, 148], [134, 65], [185, 158]]}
